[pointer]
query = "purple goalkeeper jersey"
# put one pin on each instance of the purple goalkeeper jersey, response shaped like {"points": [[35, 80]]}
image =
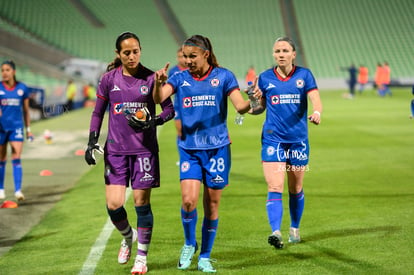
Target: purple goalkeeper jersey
{"points": [[120, 93]]}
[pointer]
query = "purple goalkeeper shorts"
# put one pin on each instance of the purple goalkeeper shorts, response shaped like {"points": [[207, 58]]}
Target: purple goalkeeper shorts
{"points": [[141, 170]]}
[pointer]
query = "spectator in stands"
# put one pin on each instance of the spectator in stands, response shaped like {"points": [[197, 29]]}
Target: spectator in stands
{"points": [[362, 77], [250, 75], [89, 95], [71, 91], [131, 150], [352, 80], [14, 117]]}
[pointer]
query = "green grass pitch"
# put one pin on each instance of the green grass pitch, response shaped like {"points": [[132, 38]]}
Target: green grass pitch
{"points": [[359, 202]]}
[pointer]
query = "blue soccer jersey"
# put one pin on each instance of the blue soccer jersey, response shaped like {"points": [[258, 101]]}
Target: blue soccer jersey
{"points": [[286, 104], [11, 100], [202, 106]]}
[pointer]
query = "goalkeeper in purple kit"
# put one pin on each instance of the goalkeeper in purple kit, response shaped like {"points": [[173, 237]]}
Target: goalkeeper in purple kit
{"points": [[131, 148]]}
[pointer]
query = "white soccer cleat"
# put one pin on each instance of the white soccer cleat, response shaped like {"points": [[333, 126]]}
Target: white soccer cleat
{"points": [[140, 265], [294, 236], [2, 194], [125, 250], [19, 196]]}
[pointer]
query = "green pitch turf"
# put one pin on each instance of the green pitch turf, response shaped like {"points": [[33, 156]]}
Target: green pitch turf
{"points": [[359, 203]]}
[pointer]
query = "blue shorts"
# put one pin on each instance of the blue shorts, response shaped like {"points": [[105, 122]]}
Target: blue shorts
{"points": [[296, 154], [11, 135], [141, 170], [212, 167]]}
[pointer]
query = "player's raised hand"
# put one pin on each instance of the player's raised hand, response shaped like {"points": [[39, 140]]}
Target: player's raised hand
{"points": [[161, 75]]}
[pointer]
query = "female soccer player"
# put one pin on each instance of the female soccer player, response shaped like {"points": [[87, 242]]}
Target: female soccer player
{"points": [[204, 146], [131, 149], [14, 116], [285, 146]]}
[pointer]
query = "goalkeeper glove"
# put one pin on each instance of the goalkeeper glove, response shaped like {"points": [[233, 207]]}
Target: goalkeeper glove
{"points": [[137, 124], [93, 146]]}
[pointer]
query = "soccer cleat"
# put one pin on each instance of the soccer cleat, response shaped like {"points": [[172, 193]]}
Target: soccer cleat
{"points": [[187, 253], [204, 264], [2, 194], [276, 240], [19, 196], [140, 265], [294, 236], [125, 250]]}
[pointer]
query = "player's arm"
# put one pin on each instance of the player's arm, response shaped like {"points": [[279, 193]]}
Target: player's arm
{"points": [[240, 104], [314, 97], [161, 91], [26, 117]]}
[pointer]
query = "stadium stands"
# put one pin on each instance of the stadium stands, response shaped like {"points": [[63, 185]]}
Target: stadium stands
{"points": [[333, 33], [338, 33]]}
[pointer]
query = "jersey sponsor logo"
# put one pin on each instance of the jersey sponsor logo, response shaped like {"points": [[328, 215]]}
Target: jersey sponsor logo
{"points": [[185, 166], [144, 89], [20, 92], [199, 101], [187, 102], [146, 177], [274, 99], [214, 82], [115, 88], [300, 83], [218, 179], [185, 83], [287, 99], [10, 102], [118, 108], [270, 86]]}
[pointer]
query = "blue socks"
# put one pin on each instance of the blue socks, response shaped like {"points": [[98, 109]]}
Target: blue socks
{"points": [[296, 205], [189, 221], [208, 235], [2, 173], [274, 207], [17, 174]]}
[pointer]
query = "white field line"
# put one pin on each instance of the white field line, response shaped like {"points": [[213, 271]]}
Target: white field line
{"points": [[98, 248]]}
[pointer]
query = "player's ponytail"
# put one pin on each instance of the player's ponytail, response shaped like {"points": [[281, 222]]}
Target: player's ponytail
{"points": [[205, 44], [123, 36]]}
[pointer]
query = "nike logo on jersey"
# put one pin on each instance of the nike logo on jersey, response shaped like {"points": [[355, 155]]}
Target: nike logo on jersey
{"points": [[185, 83], [115, 88], [270, 86]]}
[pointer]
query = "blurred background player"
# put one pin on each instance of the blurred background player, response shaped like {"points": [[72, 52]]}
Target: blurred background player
{"points": [[204, 147], [285, 145], [352, 70], [131, 149], [363, 77], [250, 75], [180, 66], [14, 117], [71, 91]]}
